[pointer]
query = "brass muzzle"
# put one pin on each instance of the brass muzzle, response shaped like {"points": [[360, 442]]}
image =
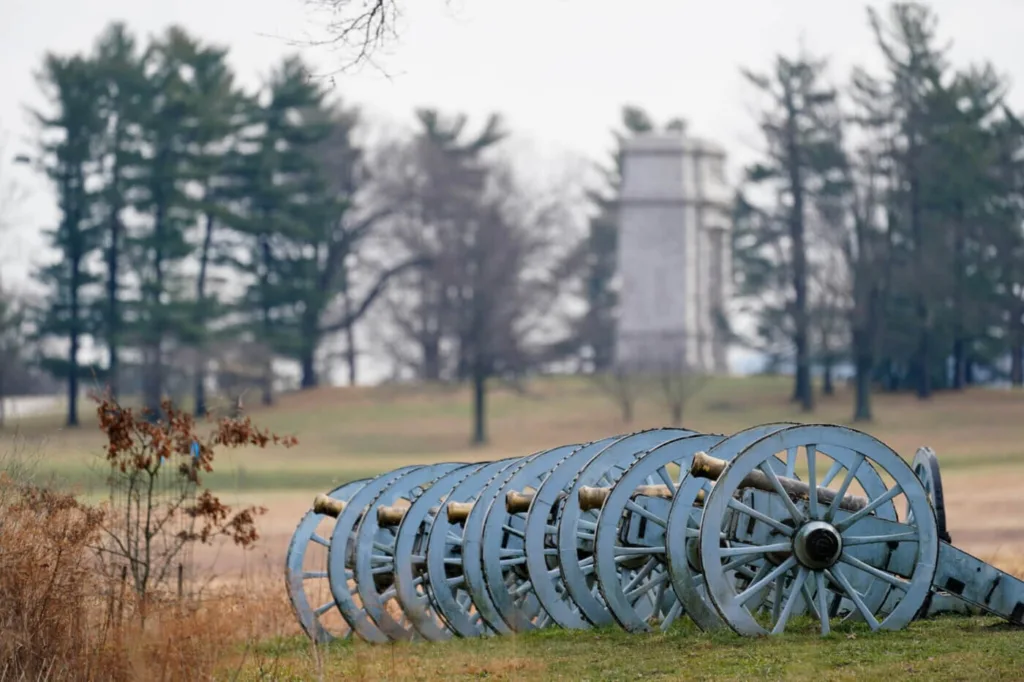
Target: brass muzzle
{"points": [[328, 506]]}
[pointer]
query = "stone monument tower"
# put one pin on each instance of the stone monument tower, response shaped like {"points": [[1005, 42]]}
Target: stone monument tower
{"points": [[674, 254]]}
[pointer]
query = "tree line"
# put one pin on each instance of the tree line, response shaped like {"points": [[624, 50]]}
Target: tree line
{"points": [[883, 224], [206, 231]]}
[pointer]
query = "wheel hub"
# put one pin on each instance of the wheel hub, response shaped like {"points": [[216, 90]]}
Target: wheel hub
{"points": [[817, 545]]}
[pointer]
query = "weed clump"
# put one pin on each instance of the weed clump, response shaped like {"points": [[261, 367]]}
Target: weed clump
{"points": [[85, 590]]}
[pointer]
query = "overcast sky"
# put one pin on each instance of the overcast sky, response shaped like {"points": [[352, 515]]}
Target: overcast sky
{"points": [[558, 69]]}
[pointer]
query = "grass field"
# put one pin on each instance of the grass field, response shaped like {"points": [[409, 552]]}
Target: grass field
{"points": [[346, 434], [946, 648]]}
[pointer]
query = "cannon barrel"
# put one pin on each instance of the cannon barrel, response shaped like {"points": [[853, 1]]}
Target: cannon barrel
{"points": [[705, 466], [459, 511], [392, 515], [518, 501], [328, 506], [594, 498]]}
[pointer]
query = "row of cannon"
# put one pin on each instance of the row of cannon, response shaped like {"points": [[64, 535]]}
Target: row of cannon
{"points": [[773, 526]]}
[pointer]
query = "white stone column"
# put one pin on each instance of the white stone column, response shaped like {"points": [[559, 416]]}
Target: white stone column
{"points": [[672, 266]]}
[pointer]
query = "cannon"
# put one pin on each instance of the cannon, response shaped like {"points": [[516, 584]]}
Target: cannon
{"points": [[740, 532]]}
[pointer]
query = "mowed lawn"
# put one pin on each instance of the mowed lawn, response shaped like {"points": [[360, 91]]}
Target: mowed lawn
{"points": [[348, 433], [945, 648]]}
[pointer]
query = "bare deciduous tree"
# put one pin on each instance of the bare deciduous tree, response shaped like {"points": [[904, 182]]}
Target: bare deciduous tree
{"points": [[13, 339], [623, 387], [12, 310], [479, 308], [678, 382]]}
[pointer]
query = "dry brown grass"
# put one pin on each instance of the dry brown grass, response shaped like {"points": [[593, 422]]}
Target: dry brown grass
{"points": [[68, 613], [62, 619]]}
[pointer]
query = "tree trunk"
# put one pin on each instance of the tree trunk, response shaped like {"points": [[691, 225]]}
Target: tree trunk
{"points": [[959, 364], [350, 339], [267, 383], [627, 410], [676, 413], [479, 406], [922, 356], [1017, 364], [922, 360], [863, 366], [3, 398], [74, 342], [153, 380], [801, 337], [202, 314], [113, 315], [431, 349], [828, 387], [114, 262], [1017, 344], [308, 366], [199, 389], [350, 360]]}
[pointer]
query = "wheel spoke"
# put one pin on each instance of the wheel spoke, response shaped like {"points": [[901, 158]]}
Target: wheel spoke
{"points": [[656, 581], [847, 480], [623, 553], [832, 472], [750, 511], [872, 571], [747, 550], [791, 462], [823, 615], [872, 506], [795, 513], [641, 574], [812, 480], [839, 578], [743, 597], [875, 539], [667, 480], [650, 516], [794, 593]]}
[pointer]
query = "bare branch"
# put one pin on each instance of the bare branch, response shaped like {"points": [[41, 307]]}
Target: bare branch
{"points": [[359, 27]]}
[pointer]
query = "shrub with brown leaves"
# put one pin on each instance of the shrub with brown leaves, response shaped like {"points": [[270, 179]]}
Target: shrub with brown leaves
{"points": [[157, 505], [64, 615]]}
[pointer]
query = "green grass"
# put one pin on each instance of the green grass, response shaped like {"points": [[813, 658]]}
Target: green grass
{"points": [[345, 433], [943, 648]]}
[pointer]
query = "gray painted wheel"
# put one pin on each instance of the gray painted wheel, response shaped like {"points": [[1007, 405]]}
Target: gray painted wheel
{"points": [[504, 539], [306, 572], [376, 558], [412, 579], [576, 526], [341, 559], [449, 591], [684, 527], [814, 555], [926, 466], [476, 545], [631, 532], [542, 564]]}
